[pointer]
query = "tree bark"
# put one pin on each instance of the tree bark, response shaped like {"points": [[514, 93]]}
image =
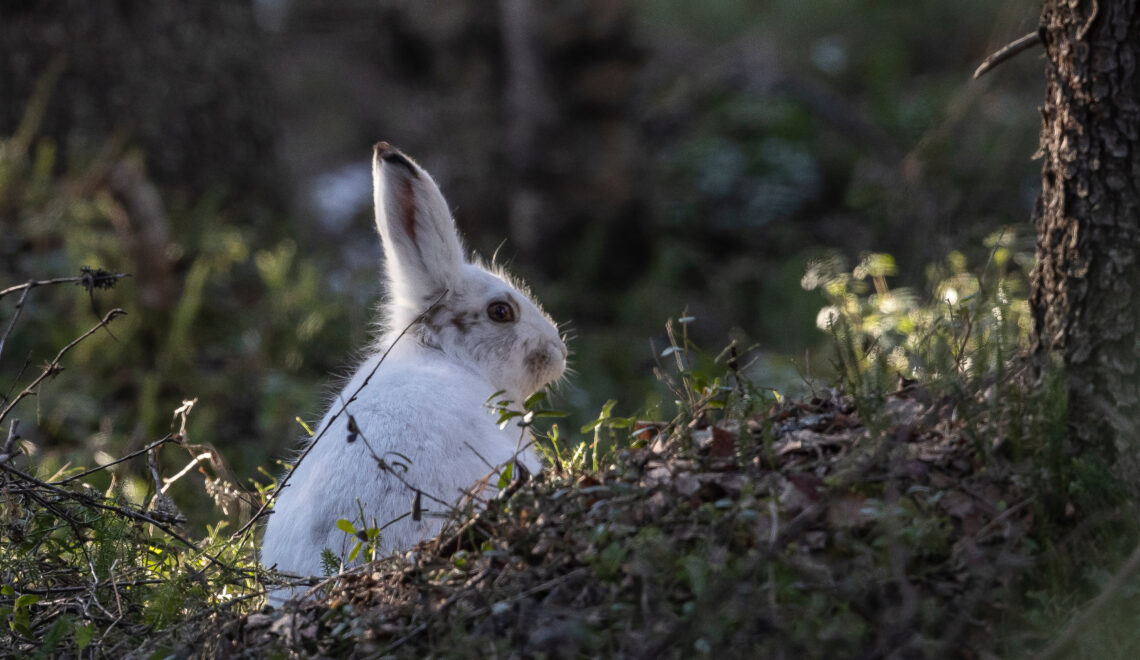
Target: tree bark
{"points": [[1086, 286]]}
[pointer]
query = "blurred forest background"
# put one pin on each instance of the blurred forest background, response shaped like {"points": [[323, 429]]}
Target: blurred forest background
{"points": [[640, 158]]}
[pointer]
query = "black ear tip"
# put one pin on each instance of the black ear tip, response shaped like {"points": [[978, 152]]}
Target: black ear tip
{"points": [[390, 154]]}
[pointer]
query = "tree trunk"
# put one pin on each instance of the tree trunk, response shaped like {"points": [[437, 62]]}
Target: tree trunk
{"points": [[1086, 286]]}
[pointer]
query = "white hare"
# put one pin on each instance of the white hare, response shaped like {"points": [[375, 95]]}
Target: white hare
{"points": [[470, 332]]}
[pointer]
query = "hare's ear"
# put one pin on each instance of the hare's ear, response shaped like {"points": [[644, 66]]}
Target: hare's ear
{"points": [[421, 246]]}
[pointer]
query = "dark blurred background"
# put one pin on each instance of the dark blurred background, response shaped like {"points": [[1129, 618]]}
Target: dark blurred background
{"points": [[640, 158]]}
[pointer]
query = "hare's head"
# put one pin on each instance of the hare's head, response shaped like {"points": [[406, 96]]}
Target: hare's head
{"points": [[468, 313]]}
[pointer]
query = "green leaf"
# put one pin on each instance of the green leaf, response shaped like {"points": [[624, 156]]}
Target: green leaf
{"points": [[7, 590], [26, 600], [506, 418], [551, 413], [505, 475], [53, 636], [345, 526], [355, 551], [84, 635], [607, 411], [329, 562], [534, 399]]}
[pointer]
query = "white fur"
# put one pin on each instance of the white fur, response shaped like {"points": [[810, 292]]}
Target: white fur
{"points": [[427, 400]]}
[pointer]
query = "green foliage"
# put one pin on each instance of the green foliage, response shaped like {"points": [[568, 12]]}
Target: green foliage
{"points": [[59, 542], [220, 307], [367, 539], [968, 324]]}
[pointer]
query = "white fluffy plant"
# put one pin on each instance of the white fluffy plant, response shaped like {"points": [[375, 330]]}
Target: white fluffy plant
{"points": [[455, 335]]}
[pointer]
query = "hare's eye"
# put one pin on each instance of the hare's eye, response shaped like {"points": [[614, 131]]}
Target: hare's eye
{"points": [[501, 312]]}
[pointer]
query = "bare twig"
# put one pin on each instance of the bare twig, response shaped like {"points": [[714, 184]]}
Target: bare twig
{"points": [[100, 280], [1007, 51], [167, 482], [121, 459], [181, 413], [152, 464], [455, 542], [90, 501], [13, 436], [15, 317], [1089, 23], [324, 429], [52, 367], [87, 587]]}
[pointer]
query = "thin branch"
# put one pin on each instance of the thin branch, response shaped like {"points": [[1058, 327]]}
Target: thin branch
{"points": [[13, 435], [87, 587], [31, 284], [344, 406], [1007, 51], [15, 317], [153, 445], [52, 367], [1083, 32], [87, 500], [167, 482]]}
